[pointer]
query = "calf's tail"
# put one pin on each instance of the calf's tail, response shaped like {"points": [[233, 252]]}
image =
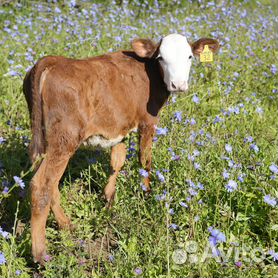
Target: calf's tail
{"points": [[32, 92]]}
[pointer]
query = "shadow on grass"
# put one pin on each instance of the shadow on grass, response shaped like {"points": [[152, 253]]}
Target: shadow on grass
{"points": [[14, 161], [15, 207]]}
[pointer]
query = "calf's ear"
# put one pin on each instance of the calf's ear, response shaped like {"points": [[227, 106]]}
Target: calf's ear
{"points": [[144, 48], [198, 46]]}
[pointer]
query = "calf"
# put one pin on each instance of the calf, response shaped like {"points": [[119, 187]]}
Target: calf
{"points": [[98, 101]]}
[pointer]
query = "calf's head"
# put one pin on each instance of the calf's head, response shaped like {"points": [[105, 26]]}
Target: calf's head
{"points": [[174, 54]]}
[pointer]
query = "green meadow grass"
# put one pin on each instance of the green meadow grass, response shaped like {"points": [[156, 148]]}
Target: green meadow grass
{"points": [[209, 130]]}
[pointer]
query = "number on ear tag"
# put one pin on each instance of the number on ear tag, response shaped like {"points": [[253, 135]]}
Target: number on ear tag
{"points": [[206, 56]]}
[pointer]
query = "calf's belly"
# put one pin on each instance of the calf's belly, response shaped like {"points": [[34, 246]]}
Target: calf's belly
{"points": [[100, 141]]}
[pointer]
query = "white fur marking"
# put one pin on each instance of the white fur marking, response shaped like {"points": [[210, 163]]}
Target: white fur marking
{"points": [[102, 142], [175, 62], [98, 140]]}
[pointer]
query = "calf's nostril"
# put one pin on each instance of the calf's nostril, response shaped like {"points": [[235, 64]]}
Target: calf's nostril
{"points": [[173, 85]]}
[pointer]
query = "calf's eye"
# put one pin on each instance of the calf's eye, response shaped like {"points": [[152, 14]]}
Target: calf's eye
{"points": [[190, 57]]}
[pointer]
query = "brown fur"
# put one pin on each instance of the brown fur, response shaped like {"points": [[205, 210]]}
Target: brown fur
{"points": [[71, 100], [198, 46]]}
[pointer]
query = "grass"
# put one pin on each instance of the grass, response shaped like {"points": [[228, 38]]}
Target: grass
{"points": [[208, 145]]}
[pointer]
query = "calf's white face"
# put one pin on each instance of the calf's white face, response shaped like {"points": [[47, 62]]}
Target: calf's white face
{"points": [[174, 54], [175, 58]]}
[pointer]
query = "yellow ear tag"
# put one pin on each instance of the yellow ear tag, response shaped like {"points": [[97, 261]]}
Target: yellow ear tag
{"points": [[206, 56]]}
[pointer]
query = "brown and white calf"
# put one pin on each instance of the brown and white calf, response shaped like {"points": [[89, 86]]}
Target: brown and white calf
{"points": [[98, 101]]}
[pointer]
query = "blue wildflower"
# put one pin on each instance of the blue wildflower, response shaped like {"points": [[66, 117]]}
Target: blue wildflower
{"points": [[12, 73], [92, 160], [195, 99], [210, 4], [196, 153], [197, 166], [192, 121], [174, 99], [57, 10], [225, 174], [175, 157], [217, 119], [191, 183], [47, 258], [72, 3], [254, 147], [228, 148], [273, 69], [200, 186], [161, 131], [143, 173], [171, 211], [5, 190], [219, 236], [273, 255], [183, 204], [259, 110], [3, 233], [191, 157], [236, 74], [160, 176], [270, 200], [231, 186], [2, 258], [19, 182], [216, 236], [173, 226], [138, 271], [188, 198], [231, 163], [160, 197], [178, 116], [192, 192], [111, 258], [89, 32], [143, 186], [238, 264], [2, 140], [248, 139], [273, 168], [241, 177]]}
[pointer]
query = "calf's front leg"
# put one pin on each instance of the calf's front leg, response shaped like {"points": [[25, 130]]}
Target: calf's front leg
{"points": [[118, 155], [145, 152]]}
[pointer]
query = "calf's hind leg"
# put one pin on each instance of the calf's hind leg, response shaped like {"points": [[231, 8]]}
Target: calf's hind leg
{"points": [[44, 188], [60, 216], [42, 185]]}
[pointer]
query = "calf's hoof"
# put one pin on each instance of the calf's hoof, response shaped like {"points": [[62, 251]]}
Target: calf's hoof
{"points": [[148, 191], [109, 197], [109, 203], [66, 225], [41, 258]]}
